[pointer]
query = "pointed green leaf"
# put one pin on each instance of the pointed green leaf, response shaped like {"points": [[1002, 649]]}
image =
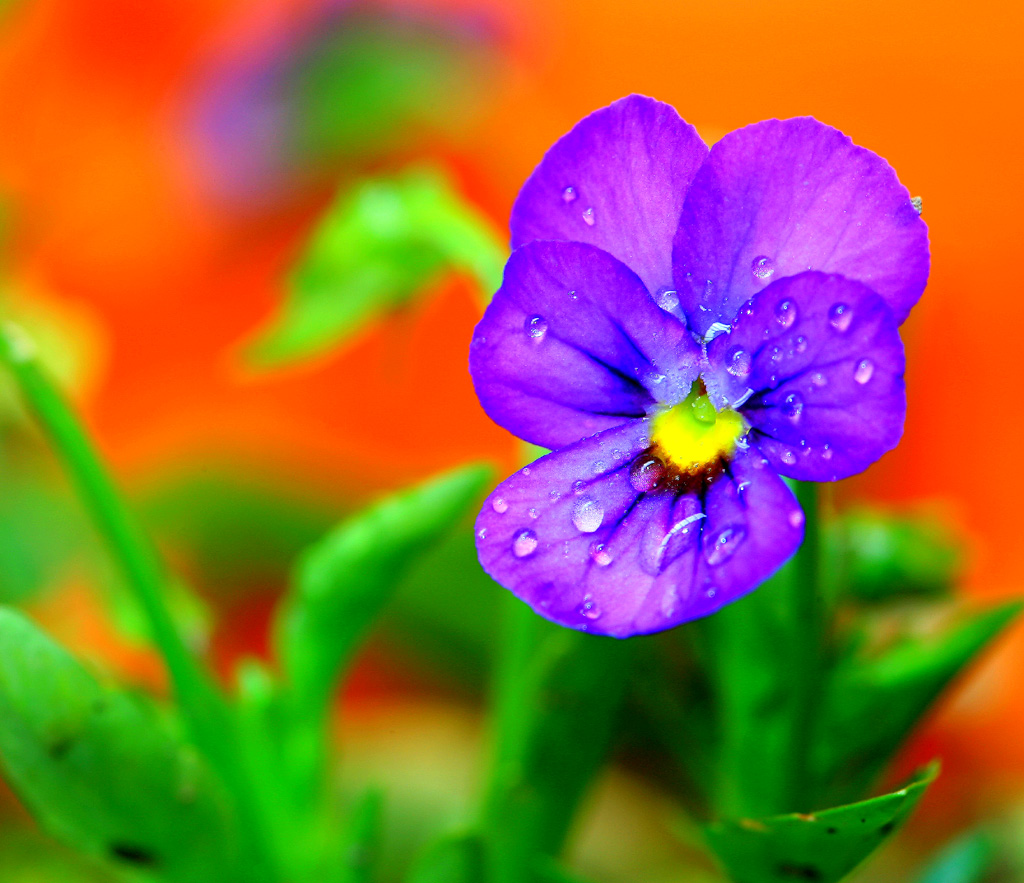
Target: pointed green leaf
{"points": [[376, 247], [343, 582], [454, 858], [873, 702], [102, 771], [822, 847]]}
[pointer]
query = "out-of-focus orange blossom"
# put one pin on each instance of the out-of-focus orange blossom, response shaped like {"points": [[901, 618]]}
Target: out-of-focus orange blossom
{"points": [[96, 160]]}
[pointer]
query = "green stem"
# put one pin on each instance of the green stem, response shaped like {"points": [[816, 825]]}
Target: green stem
{"points": [[202, 705], [808, 612]]}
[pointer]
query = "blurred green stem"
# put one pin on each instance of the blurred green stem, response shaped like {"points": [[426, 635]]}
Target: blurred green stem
{"points": [[808, 612], [202, 705]]}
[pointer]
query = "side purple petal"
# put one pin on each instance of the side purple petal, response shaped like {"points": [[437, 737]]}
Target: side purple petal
{"points": [[573, 344], [576, 540], [617, 180], [784, 196], [817, 364]]}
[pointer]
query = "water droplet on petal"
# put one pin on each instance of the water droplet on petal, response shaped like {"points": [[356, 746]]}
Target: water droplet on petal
{"points": [[788, 457], [499, 505], [588, 217], [482, 533], [645, 473], [600, 554], [537, 328], [785, 313], [667, 299], [524, 543], [573, 295], [737, 362], [533, 513], [840, 316], [715, 329], [826, 453], [800, 344], [653, 378], [579, 486], [526, 470], [569, 194], [862, 373], [776, 353], [793, 406], [796, 519], [819, 379], [762, 267], [724, 545], [587, 515], [589, 609]]}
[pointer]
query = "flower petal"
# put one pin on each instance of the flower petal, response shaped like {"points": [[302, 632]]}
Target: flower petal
{"points": [[573, 344], [783, 196], [823, 357], [617, 180], [571, 536]]}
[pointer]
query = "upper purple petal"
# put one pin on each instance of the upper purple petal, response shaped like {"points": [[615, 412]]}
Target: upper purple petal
{"points": [[573, 344], [817, 363], [782, 196], [617, 180], [573, 537]]}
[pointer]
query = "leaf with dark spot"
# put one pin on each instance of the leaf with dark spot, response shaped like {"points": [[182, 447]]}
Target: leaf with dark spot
{"points": [[104, 770], [136, 855], [823, 847]]}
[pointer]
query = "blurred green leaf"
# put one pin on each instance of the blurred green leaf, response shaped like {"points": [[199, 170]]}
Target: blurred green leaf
{"points": [[965, 860], [878, 556], [873, 701], [369, 80], [822, 847], [102, 771], [343, 582], [453, 858], [444, 611], [378, 246], [558, 697]]}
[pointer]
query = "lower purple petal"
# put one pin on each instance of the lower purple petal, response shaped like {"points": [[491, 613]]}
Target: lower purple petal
{"points": [[575, 538]]}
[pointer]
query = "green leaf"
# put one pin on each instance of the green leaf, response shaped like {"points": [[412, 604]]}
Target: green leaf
{"points": [[343, 582], [377, 247], [822, 847], [371, 79], [965, 860], [872, 702], [881, 557], [102, 771], [454, 858]]}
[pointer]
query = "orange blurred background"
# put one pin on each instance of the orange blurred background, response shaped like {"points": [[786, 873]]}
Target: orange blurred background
{"points": [[116, 218]]}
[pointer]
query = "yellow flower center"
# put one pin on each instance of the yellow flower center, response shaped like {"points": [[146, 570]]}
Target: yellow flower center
{"points": [[692, 434]]}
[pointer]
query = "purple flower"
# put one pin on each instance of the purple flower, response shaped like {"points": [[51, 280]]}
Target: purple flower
{"points": [[682, 327]]}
